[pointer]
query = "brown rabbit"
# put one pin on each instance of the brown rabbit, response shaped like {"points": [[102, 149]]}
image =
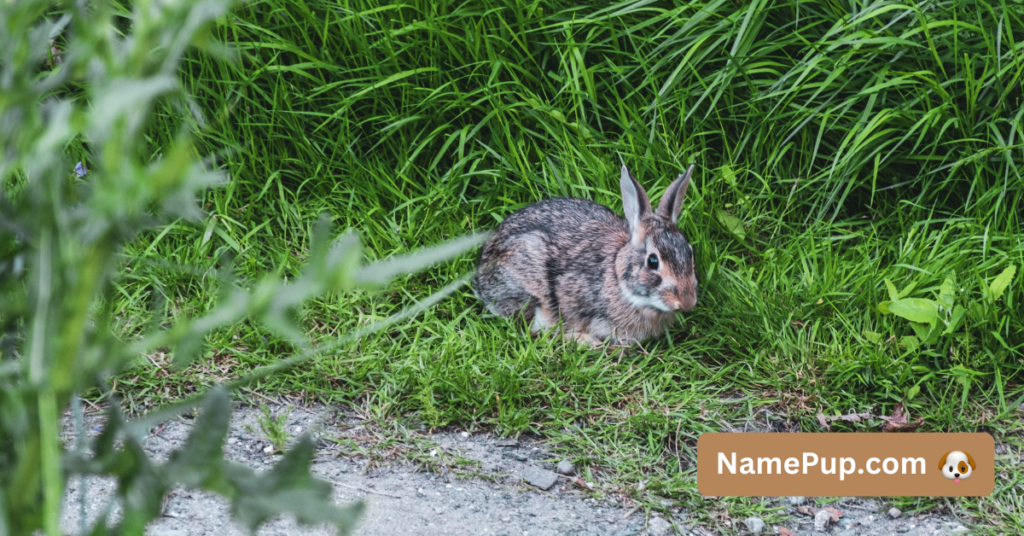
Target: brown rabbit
{"points": [[607, 279]]}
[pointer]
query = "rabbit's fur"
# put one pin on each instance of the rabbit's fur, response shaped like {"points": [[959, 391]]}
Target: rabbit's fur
{"points": [[574, 260]]}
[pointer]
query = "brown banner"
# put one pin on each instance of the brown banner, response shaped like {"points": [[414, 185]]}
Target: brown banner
{"points": [[845, 465]]}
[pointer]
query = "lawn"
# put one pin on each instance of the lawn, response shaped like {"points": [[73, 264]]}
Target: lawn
{"points": [[852, 160]]}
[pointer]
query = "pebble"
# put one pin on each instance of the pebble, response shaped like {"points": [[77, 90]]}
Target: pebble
{"points": [[797, 501], [658, 526], [754, 524], [821, 520], [847, 533], [540, 478], [232, 440], [565, 467], [894, 513]]}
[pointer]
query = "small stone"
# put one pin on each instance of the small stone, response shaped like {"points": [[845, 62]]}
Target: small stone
{"points": [[821, 520], [754, 524], [846, 522], [268, 449], [168, 532], [521, 457], [232, 440], [894, 513], [438, 510], [565, 467], [797, 501], [658, 526], [507, 443], [847, 533], [464, 435], [540, 478]]}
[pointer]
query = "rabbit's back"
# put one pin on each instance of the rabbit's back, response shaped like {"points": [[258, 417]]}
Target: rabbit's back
{"points": [[552, 255]]}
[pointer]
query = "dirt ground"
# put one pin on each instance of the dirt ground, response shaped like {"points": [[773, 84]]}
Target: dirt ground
{"points": [[450, 483]]}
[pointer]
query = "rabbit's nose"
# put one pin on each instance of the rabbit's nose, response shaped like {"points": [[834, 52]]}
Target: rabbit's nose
{"points": [[683, 301]]}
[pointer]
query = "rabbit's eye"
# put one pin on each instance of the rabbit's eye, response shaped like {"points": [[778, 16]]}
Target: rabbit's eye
{"points": [[652, 262]]}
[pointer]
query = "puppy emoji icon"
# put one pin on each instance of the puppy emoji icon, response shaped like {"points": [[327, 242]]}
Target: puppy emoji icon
{"points": [[956, 465]]}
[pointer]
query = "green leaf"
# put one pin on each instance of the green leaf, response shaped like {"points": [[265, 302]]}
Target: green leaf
{"points": [[140, 485], [947, 292], [731, 223], [923, 331], [873, 337], [893, 295], [912, 392], [1002, 281], [729, 175], [884, 307], [976, 312], [955, 319], [906, 292], [198, 463], [381, 272], [287, 488], [916, 310], [910, 342]]}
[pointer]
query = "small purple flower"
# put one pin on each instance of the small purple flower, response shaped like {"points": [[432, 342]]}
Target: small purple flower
{"points": [[80, 170]]}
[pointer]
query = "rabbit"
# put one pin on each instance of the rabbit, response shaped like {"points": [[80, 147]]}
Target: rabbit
{"points": [[608, 280]]}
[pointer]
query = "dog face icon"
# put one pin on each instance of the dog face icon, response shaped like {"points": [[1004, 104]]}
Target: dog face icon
{"points": [[956, 465]]}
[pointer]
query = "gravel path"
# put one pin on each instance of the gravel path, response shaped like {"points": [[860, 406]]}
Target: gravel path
{"points": [[454, 484]]}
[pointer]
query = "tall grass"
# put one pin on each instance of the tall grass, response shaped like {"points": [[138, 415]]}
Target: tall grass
{"points": [[838, 145]]}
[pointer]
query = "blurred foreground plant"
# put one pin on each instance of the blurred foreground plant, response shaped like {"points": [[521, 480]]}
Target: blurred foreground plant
{"points": [[62, 225]]}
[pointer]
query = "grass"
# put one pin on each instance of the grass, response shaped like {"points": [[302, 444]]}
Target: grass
{"points": [[838, 145]]}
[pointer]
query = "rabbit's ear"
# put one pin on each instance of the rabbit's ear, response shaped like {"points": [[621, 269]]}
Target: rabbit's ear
{"points": [[672, 202], [635, 203]]}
